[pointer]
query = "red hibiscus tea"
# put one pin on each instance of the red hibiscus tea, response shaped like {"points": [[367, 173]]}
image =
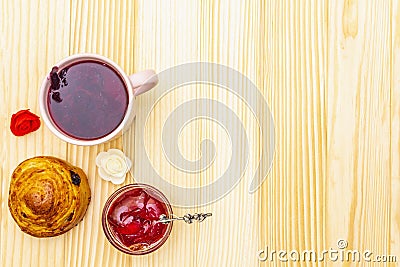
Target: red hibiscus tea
{"points": [[87, 100]]}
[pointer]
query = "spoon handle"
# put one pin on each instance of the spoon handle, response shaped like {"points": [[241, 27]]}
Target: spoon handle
{"points": [[187, 218]]}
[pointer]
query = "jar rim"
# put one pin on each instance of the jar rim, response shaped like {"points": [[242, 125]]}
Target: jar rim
{"points": [[114, 240]]}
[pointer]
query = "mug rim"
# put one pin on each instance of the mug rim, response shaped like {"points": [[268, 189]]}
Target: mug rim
{"points": [[44, 90]]}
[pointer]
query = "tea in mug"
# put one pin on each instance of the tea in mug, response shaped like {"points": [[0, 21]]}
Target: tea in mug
{"points": [[87, 100]]}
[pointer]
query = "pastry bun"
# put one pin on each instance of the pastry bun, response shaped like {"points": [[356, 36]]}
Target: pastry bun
{"points": [[48, 196]]}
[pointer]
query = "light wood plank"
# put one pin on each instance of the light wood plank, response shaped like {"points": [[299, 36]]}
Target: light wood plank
{"points": [[395, 133], [292, 73], [106, 28], [359, 96], [30, 44], [167, 34]]}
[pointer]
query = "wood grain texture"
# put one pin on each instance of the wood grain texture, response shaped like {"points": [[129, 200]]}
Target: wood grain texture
{"points": [[33, 37], [329, 72], [395, 129], [294, 198], [359, 136]]}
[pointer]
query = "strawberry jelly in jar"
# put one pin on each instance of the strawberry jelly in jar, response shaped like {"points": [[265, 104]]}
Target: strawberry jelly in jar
{"points": [[131, 219]]}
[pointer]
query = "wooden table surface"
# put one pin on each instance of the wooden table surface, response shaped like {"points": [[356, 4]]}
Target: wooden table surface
{"points": [[329, 71]]}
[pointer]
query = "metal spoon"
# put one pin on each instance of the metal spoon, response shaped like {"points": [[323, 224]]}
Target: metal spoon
{"points": [[187, 218]]}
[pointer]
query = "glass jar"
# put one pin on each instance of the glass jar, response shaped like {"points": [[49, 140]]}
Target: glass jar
{"points": [[130, 219]]}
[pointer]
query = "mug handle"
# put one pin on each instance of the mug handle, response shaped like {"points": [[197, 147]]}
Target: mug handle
{"points": [[143, 81]]}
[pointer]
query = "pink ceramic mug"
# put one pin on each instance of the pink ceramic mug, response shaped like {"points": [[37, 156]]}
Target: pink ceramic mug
{"points": [[61, 119]]}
